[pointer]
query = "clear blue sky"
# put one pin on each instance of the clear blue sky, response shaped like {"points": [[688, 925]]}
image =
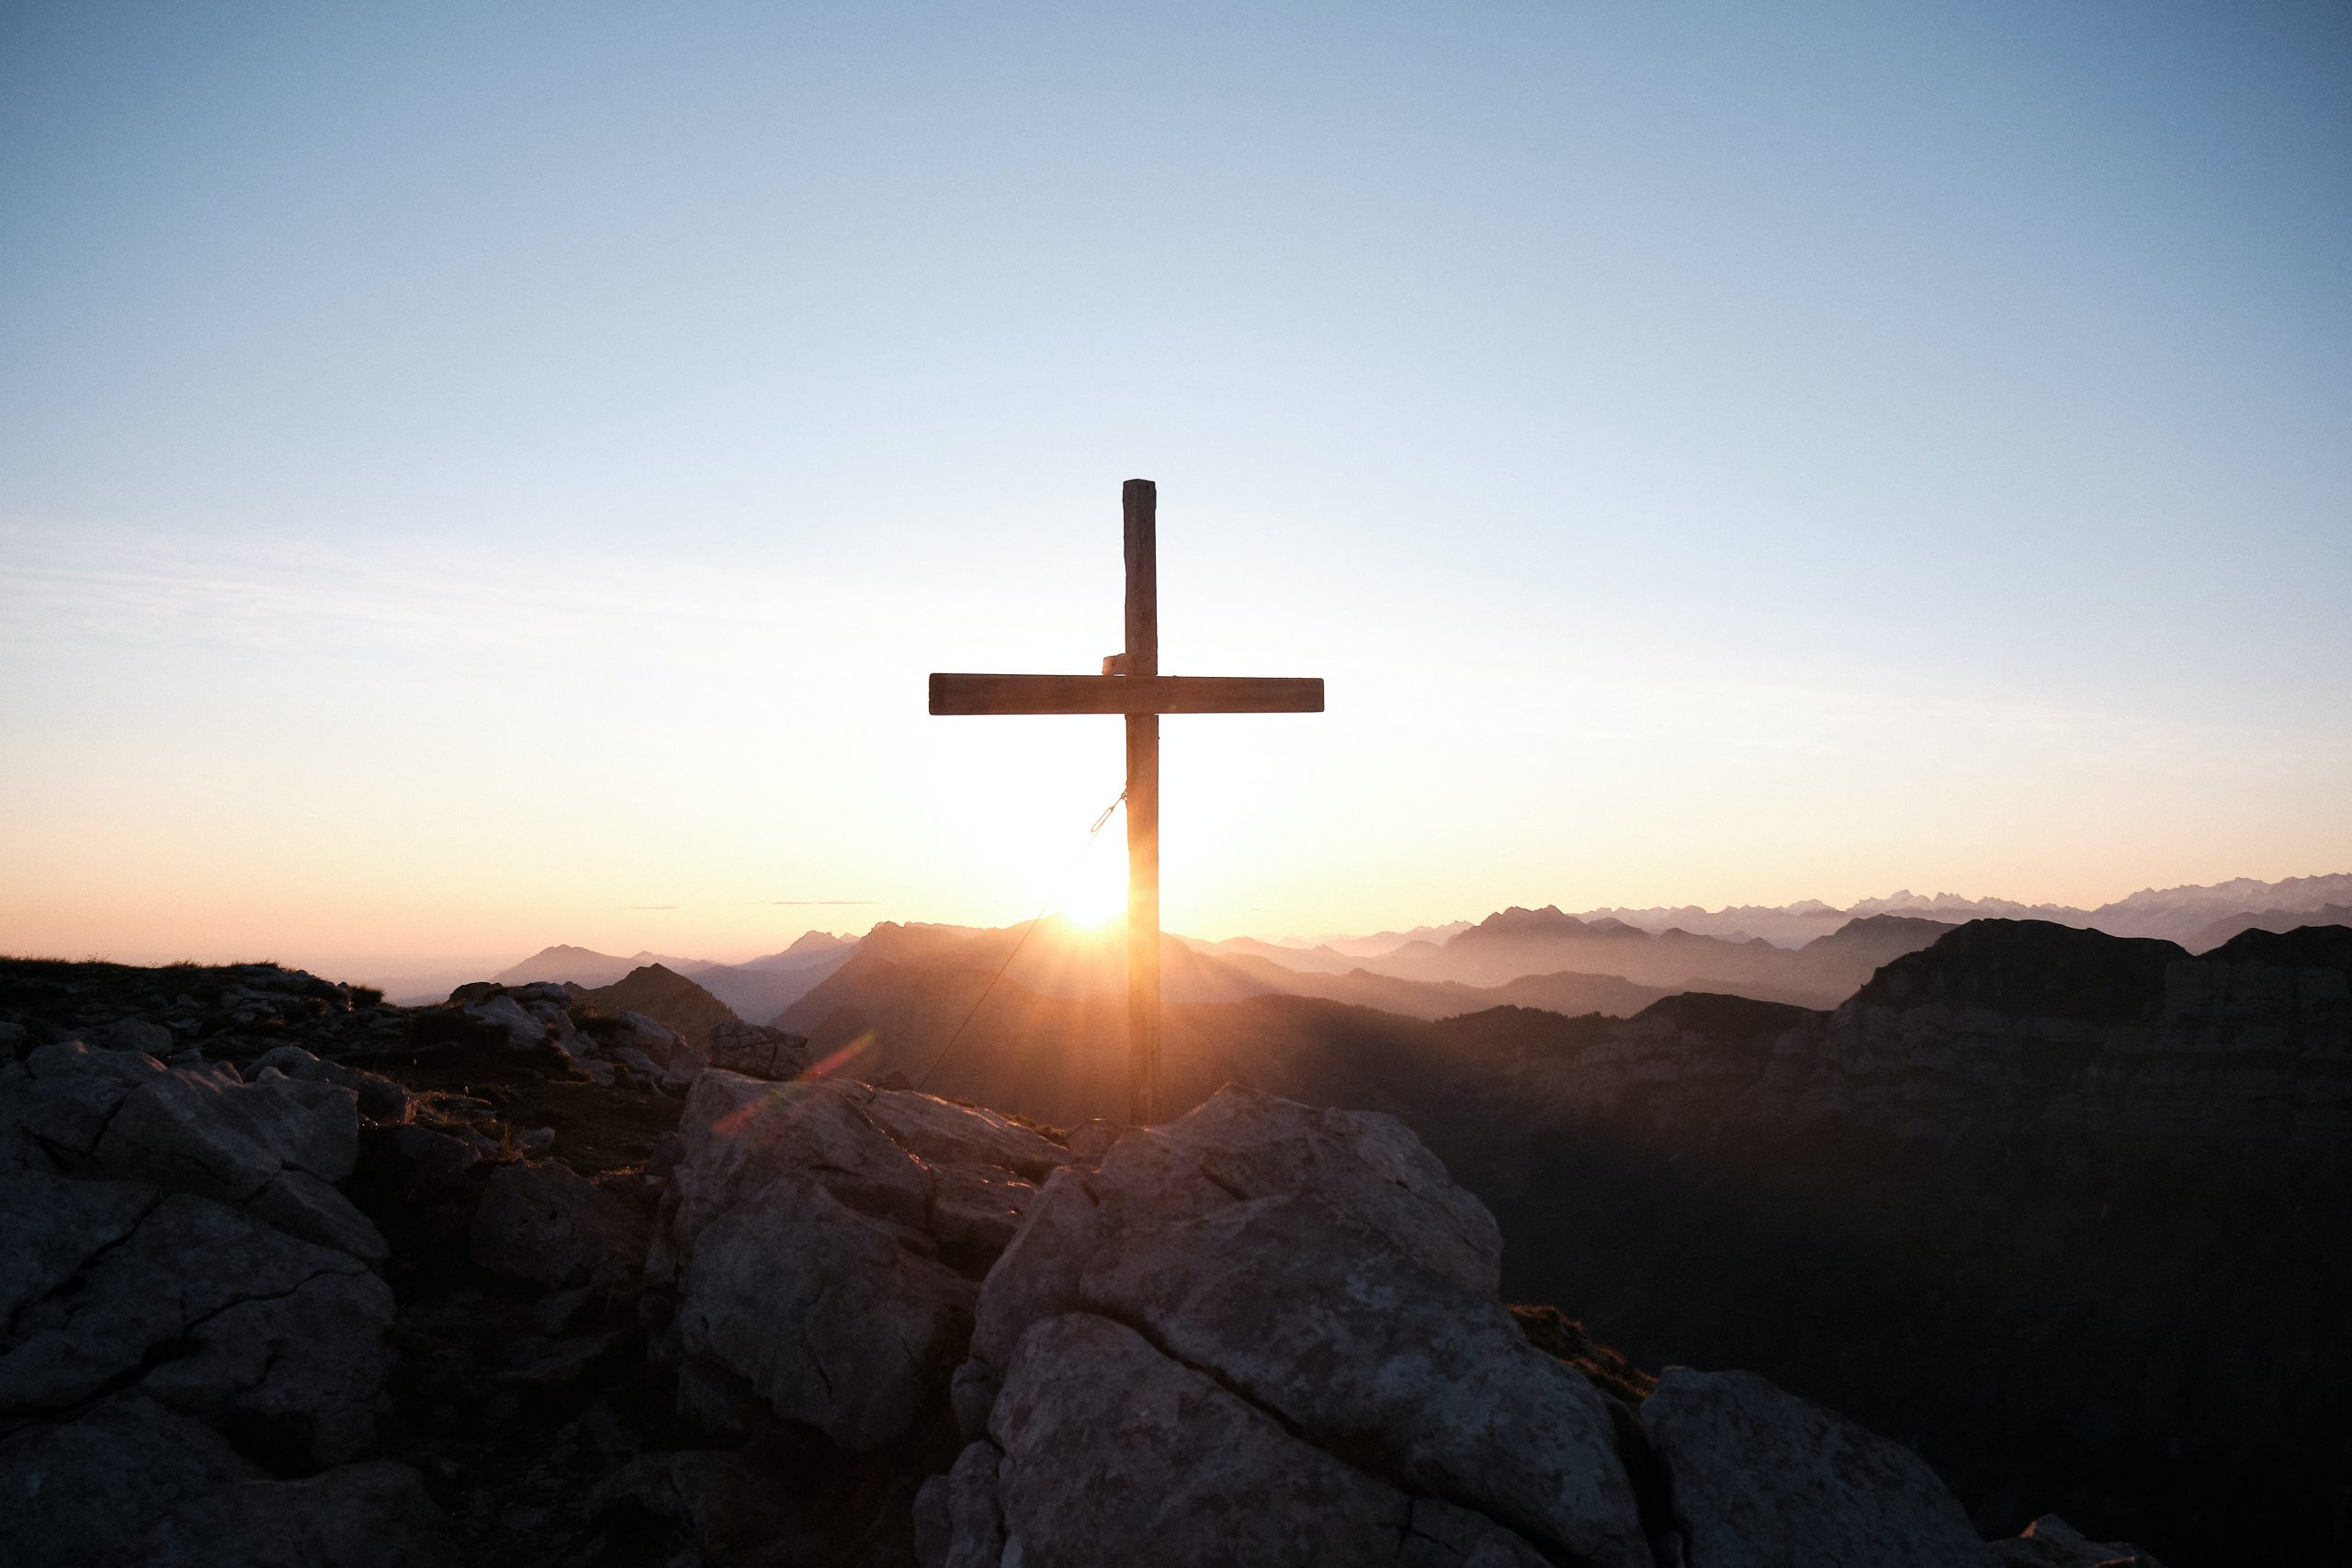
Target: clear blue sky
{"points": [[468, 472]]}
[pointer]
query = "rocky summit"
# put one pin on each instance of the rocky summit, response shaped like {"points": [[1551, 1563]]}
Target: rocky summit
{"points": [[294, 1276]]}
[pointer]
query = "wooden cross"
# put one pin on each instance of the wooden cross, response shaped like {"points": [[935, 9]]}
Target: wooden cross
{"points": [[1131, 683]]}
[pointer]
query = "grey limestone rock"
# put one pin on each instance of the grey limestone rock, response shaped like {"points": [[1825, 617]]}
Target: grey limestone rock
{"points": [[637, 1062], [301, 1206], [1092, 1139], [68, 1094], [757, 1051], [978, 1206], [1762, 1478], [1238, 1146], [1269, 1333], [1113, 1453], [265, 1328], [834, 1316], [738, 1134], [54, 1227], [940, 1133], [523, 1030], [819, 1235], [971, 1394], [380, 1100], [648, 1037], [1355, 1344], [192, 1132]]}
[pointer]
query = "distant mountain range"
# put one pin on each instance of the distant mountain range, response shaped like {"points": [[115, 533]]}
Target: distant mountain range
{"points": [[756, 989], [1055, 994], [1516, 942], [1612, 961], [2196, 917], [1377, 942]]}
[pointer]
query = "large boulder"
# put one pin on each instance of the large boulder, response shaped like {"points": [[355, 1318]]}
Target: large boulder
{"points": [[837, 1318], [501, 1014], [757, 1051], [380, 1100], [1259, 1335], [941, 1131], [1107, 1451], [210, 1313], [58, 1101], [54, 1226], [198, 1131], [738, 1134], [176, 1232], [1338, 1331], [824, 1239], [1763, 1479], [1238, 1146], [273, 1147]]}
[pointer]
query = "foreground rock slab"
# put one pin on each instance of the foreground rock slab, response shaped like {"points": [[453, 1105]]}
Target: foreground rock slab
{"points": [[194, 1344], [1269, 1333], [824, 1239]]}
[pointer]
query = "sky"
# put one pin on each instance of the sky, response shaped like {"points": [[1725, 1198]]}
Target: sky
{"points": [[480, 477]]}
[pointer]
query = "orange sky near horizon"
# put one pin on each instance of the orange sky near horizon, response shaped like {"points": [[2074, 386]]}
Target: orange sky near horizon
{"points": [[702, 772]]}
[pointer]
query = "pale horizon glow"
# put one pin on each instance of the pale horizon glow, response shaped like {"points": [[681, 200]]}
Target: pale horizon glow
{"points": [[475, 481]]}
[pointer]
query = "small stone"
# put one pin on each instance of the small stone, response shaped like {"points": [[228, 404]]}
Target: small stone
{"points": [[1092, 1139]]}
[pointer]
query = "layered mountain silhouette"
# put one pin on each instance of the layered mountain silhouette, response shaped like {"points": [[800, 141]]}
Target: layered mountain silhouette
{"points": [[1807, 953], [666, 997], [2196, 915], [757, 988], [1518, 942]]}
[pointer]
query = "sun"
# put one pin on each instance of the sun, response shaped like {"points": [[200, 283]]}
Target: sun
{"points": [[1096, 891]]}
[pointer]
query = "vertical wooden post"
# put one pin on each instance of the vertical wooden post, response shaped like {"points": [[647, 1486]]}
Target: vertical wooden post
{"points": [[1139, 501]]}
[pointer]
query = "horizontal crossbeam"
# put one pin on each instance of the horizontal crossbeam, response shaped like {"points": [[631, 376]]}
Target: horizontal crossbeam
{"points": [[1124, 694]]}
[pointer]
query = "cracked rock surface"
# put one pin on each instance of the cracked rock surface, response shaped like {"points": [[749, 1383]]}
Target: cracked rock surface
{"points": [[825, 1242], [1762, 1477], [1291, 1313], [194, 1343]]}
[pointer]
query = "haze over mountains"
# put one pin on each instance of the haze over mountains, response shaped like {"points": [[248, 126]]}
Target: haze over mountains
{"points": [[757, 988], [2196, 917], [1615, 960]]}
